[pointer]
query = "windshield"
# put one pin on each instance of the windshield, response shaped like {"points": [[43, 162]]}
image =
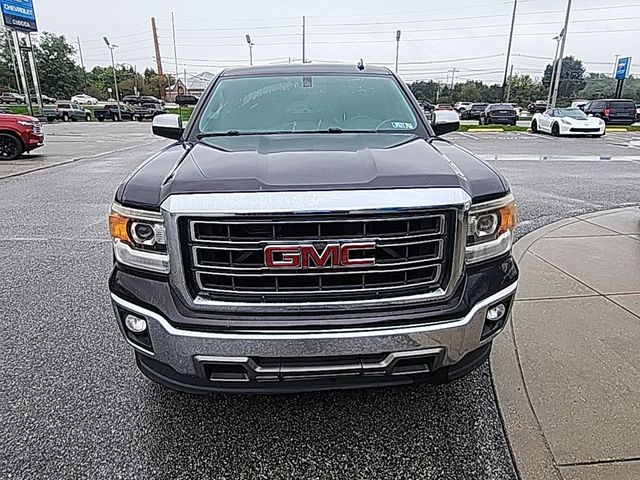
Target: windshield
{"points": [[307, 104], [572, 113]]}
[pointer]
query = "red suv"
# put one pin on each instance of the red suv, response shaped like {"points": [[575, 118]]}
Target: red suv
{"points": [[19, 134]]}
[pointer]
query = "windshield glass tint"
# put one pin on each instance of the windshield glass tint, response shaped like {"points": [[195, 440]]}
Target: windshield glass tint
{"points": [[571, 112], [316, 103]]}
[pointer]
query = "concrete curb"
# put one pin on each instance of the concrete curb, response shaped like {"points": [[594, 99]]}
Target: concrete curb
{"points": [[532, 455]]}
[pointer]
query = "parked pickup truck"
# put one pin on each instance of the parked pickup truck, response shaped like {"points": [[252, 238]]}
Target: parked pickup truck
{"points": [[67, 112], [19, 134], [111, 112], [310, 230], [148, 111]]}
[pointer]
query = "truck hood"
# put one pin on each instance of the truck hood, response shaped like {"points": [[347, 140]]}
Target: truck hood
{"points": [[310, 162]]}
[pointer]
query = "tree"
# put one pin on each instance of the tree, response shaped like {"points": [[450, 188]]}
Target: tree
{"points": [[469, 91], [571, 77], [7, 75], [424, 91], [60, 76], [525, 89]]}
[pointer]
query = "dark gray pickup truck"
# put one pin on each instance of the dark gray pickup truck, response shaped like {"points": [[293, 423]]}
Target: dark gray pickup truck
{"points": [[310, 229]]}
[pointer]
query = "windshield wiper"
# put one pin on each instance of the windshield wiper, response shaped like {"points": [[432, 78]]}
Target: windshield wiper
{"points": [[228, 133]]}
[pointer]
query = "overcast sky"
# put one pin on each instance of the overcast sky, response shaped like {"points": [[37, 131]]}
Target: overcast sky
{"points": [[454, 33]]}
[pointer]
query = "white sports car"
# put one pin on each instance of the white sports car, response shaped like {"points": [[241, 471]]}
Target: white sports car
{"points": [[567, 121]]}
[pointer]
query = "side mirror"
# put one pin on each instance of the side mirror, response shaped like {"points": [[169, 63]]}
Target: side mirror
{"points": [[444, 121], [168, 125]]}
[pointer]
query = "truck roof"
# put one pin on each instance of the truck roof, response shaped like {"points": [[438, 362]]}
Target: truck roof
{"points": [[306, 69]]}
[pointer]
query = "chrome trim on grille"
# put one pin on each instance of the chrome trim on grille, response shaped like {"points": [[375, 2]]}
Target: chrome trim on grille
{"points": [[292, 204], [314, 202], [436, 278], [262, 270]]}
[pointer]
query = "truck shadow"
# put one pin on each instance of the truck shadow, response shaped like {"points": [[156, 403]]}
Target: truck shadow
{"points": [[403, 432]]}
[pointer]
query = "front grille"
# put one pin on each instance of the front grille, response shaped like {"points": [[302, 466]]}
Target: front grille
{"points": [[37, 128], [584, 129], [225, 259]]}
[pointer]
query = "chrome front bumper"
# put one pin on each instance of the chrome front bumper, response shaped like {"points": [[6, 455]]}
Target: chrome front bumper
{"points": [[181, 349]]}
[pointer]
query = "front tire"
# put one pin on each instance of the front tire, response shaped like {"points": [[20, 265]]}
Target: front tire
{"points": [[65, 117], [534, 127], [88, 117], [555, 130], [10, 147]]}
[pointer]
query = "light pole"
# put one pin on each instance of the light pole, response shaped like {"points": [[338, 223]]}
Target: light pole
{"points": [[556, 87], [135, 76], [398, 34], [555, 65], [250, 49], [111, 47]]}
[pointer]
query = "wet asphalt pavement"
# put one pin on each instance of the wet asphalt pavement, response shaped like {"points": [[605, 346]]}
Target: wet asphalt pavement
{"points": [[75, 406]]}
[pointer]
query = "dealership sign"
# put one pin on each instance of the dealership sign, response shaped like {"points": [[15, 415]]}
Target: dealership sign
{"points": [[622, 68], [19, 15]]}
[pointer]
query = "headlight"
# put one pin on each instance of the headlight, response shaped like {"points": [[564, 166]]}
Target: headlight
{"points": [[491, 227], [139, 238]]}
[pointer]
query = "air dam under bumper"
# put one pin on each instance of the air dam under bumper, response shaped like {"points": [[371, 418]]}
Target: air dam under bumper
{"points": [[250, 361]]}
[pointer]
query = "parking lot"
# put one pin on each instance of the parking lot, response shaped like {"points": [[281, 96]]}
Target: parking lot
{"points": [[75, 405]]}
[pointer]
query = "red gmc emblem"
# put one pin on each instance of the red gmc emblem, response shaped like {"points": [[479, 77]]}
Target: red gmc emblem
{"points": [[306, 256]]}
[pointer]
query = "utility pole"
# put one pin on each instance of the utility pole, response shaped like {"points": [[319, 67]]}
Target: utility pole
{"points": [[154, 31], [175, 50], [509, 85], [453, 76], [554, 68], [398, 33], [304, 39], [506, 67], [84, 72], [554, 99]]}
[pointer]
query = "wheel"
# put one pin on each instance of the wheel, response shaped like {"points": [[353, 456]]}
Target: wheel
{"points": [[480, 121], [10, 147], [534, 127], [100, 119], [65, 117], [115, 117], [88, 117], [140, 118], [555, 130]]}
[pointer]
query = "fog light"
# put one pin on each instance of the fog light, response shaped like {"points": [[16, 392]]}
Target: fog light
{"points": [[496, 313], [135, 324]]}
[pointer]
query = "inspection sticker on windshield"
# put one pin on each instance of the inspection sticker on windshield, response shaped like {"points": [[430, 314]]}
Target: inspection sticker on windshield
{"points": [[402, 125]]}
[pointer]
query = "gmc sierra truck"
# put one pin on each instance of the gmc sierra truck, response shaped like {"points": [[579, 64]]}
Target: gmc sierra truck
{"points": [[310, 229]]}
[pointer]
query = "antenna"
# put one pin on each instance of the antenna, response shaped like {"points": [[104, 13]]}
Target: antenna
{"points": [[361, 65]]}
